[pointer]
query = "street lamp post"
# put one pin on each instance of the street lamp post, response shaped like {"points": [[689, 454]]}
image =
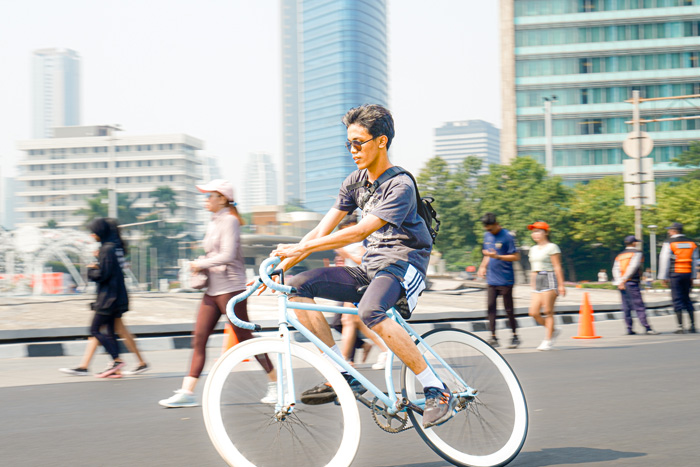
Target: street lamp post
{"points": [[112, 185], [548, 148], [652, 249]]}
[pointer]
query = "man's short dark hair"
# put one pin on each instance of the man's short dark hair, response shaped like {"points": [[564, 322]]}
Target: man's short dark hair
{"points": [[489, 219], [374, 118]]}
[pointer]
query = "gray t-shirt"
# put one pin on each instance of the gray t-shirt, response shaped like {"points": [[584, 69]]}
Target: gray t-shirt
{"points": [[404, 239]]}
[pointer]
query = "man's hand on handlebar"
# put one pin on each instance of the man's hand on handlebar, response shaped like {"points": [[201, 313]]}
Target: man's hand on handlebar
{"points": [[288, 250]]}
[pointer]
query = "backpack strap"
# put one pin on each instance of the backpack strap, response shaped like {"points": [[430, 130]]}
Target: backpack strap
{"points": [[372, 187]]}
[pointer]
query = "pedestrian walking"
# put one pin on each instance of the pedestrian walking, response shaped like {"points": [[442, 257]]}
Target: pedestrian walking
{"points": [[627, 276], [351, 324], [677, 266], [225, 271], [499, 252], [119, 327], [547, 281], [112, 299]]}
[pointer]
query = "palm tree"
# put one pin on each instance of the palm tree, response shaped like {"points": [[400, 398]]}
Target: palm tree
{"points": [[165, 198], [98, 206]]}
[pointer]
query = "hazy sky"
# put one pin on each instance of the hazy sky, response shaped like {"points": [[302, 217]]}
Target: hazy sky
{"points": [[211, 69]]}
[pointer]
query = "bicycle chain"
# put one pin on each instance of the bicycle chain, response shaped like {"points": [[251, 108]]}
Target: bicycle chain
{"points": [[389, 423]]}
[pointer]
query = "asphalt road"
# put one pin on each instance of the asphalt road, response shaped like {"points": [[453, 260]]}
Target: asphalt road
{"points": [[615, 401]]}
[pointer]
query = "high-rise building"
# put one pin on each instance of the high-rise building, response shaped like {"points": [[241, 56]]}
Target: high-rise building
{"points": [[334, 58], [454, 141], [55, 90], [210, 168], [57, 175], [260, 182], [587, 57], [7, 196]]}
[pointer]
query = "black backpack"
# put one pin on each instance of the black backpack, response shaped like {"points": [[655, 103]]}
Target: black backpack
{"points": [[425, 208]]}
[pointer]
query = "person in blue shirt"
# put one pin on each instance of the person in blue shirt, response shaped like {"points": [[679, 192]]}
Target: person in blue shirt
{"points": [[497, 267]]}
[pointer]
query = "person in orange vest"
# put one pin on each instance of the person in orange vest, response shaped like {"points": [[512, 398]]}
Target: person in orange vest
{"points": [[627, 275], [677, 265]]}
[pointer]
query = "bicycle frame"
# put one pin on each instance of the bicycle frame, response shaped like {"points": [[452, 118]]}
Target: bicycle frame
{"points": [[286, 316]]}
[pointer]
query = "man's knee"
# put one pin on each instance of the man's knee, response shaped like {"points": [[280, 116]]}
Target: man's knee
{"points": [[371, 317]]}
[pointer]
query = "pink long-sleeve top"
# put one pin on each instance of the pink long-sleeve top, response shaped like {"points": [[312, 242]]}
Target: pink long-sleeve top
{"points": [[224, 258]]}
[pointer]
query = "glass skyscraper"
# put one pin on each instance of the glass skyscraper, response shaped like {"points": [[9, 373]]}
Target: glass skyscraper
{"points": [[55, 90], [591, 55], [334, 58]]}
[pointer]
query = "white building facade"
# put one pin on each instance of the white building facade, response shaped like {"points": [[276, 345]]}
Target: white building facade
{"points": [[260, 185], [55, 90], [58, 175], [454, 141]]}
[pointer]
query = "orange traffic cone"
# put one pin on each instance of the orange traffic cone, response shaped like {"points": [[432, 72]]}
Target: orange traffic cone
{"points": [[230, 338], [585, 323]]}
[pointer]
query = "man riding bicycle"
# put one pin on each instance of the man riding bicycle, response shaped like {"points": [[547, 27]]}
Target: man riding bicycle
{"points": [[398, 246]]}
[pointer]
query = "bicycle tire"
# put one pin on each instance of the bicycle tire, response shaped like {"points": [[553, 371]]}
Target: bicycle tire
{"points": [[246, 432], [491, 430]]}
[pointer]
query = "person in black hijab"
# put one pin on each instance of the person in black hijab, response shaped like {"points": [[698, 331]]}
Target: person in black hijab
{"points": [[112, 299]]}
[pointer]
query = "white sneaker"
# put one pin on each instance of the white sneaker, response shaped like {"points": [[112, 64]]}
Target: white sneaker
{"points": [[381, 361], [545, 345], [555, 334], [181, 398], [271, 395]]}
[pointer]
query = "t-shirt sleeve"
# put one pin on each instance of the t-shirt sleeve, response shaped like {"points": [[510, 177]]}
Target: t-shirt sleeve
{"points": [[346, 199], [395, 203], [510, 247], [554, 249]]}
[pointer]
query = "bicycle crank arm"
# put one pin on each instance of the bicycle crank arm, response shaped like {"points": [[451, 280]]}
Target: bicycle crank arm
{"points": [[405, 403]]}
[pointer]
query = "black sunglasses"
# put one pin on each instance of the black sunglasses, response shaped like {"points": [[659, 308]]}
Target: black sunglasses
{"points": [[356, 144]]}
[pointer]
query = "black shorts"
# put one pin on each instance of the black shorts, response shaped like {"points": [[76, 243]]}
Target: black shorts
{"points": [[342, 284]]}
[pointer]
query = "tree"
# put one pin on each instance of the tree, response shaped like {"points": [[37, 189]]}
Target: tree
{"points": [[51, 224], [520, 194], [98, 206], [690, 158], [678, 202], [599, 220], [165, 198], [453, 194]]}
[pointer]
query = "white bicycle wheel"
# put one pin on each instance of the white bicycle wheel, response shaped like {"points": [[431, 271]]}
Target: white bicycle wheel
{"points": [[488, 430], [248, 432]]}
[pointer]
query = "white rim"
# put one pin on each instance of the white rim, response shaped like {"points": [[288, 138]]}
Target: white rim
{"points": [[211, 398], [517, 436]]}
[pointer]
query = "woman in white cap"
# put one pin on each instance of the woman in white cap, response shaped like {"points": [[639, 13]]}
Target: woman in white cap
{"points": [[547, 280], [225, 270]]}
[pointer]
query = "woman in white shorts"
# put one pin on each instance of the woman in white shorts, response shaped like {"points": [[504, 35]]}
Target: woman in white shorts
{"points": [[547, 280]]}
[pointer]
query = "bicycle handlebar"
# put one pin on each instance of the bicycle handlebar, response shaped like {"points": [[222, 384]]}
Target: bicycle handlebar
{"points": [[230, 312], [265, 270]]}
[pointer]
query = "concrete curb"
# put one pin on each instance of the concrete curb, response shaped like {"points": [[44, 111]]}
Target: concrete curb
{"points": [[436, 321]]}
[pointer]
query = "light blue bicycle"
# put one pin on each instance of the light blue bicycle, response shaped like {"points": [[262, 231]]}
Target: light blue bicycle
{"points": [[488, 428]]}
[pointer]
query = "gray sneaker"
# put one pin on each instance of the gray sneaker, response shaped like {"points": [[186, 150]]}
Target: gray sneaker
{"points": [[514, 343], [439, 406]]}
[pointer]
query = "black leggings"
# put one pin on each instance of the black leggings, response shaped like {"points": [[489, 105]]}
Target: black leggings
{"points": [[109, 340], [506, 291]]}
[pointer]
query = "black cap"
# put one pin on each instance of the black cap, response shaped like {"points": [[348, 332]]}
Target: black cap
{"points": [[630, 239], [675, 226]]}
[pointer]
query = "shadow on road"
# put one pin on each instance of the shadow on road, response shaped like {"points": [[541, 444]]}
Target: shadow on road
{"points": [[572, 455]]}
